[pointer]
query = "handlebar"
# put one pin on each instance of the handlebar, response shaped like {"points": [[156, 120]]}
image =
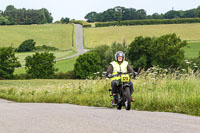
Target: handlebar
{"points": [[120, 73]]}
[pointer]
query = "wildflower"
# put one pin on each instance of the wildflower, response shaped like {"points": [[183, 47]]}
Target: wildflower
{"points": [[187, 62]]}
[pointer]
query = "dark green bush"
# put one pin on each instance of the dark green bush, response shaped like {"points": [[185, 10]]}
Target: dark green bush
{"points": [[8, 63], [148, 22], [107, 53], [164, 51], [87, 25], [86, 65], [45, 47], [26, 46], [67, 75], [41, 65]]}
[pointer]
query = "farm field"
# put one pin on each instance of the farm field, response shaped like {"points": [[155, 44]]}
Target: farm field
{"points": [[107, 35], [58, 54], [56, 35], [193, 50], [163, 94], [63, 66]]}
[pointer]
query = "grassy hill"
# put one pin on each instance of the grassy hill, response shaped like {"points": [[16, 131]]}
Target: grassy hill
{"points": [[57, 35], [63, 66], [106, 35]]}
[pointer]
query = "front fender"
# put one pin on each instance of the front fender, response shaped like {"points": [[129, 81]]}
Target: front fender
{"points": [[126, 85]]}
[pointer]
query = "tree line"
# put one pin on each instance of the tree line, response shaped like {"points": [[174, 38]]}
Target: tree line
{"points": [[13, 16], [121, 13]]}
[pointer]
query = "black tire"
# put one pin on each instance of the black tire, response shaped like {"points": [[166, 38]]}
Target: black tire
{"points": [[119, 106], [127, 96]]}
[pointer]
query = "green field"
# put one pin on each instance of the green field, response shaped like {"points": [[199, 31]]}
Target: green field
{"points": [[66, 65], [193, 50], [58, 54], [56, 35], [167, 94], [63, 66], [107, 35]]}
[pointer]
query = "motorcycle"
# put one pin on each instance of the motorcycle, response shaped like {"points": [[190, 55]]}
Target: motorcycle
{"points": [[123, 94]]}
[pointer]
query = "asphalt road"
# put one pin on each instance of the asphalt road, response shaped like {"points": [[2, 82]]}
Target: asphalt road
{"points": [[66, 118], [79, 43]]}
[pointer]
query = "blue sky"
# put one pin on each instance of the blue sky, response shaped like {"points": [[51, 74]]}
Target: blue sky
{"points": [[77, 9]]}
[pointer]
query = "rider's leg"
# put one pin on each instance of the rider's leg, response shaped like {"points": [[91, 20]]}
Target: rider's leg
{"points": [[131, 90], [114, 91], [114, 87]]}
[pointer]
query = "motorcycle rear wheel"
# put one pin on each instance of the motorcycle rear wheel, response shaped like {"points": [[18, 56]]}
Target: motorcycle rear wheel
{"points": [[119, 106]]}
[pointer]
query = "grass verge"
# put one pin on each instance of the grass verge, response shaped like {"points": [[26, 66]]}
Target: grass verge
{"points": [[166, 94]]}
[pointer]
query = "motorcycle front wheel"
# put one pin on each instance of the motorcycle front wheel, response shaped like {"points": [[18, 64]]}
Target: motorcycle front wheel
{"points": [[127, 96]]}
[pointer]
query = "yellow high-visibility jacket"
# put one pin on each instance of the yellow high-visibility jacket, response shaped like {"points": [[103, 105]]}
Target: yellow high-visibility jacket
{"points": [[119, 68]]}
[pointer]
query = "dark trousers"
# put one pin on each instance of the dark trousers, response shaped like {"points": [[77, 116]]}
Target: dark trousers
{"points": [[114, 85]]}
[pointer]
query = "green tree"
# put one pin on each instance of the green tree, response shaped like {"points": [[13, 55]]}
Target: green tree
{"points": [[91, 17], [3, 20], [40, 65], [64, 20], [8, 63], [107, 53], [26, 46], [86, 65], [197, 12], [164, 51]]}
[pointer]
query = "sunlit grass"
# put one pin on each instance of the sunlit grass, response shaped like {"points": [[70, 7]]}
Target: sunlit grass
{"points": [[107, 35], [58, 54], [192, 50], [63, 66], [56, 35]]}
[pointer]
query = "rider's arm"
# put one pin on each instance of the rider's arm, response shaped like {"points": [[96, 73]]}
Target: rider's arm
{"points": [[110, 70], [130, 69]]}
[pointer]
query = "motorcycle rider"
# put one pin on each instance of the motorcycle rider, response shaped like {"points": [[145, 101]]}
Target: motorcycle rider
{"points": [[119, 65]]}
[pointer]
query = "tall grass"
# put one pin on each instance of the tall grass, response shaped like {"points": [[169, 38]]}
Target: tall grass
{"points": [[176, 92]]}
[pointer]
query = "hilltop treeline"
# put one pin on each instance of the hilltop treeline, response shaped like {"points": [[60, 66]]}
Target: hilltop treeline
{"points": [[13, 16], [121, 13]]}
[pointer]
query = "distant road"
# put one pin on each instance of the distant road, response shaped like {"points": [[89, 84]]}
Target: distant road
{"points": [[66, 118], [79, 43]]}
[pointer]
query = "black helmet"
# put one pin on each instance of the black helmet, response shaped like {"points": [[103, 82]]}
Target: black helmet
{"points": [[119, 53]]}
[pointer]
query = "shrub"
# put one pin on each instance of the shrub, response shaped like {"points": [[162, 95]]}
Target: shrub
{"points": [[87, 25], [45, 47], [148, 22], [8, 63], [26, 46], [40, 65], [67, 75], [164, 51], [86, 65], [81, 22]]}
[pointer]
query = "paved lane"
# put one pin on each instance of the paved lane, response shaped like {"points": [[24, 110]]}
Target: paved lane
{"points": [[66, 118]]}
